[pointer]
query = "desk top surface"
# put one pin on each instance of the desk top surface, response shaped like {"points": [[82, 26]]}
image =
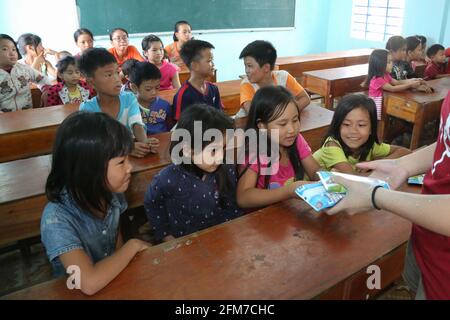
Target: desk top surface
{"points": [[355, 71], [440, 86], [324, 56]]}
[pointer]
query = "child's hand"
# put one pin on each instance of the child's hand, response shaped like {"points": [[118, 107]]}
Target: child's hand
{"points": [[293, 186], [50, 52], [38, 61], [425, 88], [140, 150], [139, 245], [153, 144], [415, 83]]}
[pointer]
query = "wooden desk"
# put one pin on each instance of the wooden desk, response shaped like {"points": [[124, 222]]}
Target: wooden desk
{"points": [[415, 107], [22, 192], [185, 74], [335, 82], [28, 133], [298, 64], [285, 251]]}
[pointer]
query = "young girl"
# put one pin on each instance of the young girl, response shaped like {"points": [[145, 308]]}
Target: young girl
{"points": [[34, 54], [80, 224], [153, 50], [182, 34], [70, 87], [84, 39], [121, 50], [15, 93], [353, 138], [379, 79], [414, 54], [274, 109], [200, 192], [156, 112]]}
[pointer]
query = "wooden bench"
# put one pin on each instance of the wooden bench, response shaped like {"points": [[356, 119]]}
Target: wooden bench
{"points": [[297, 65], [286, 251], [22, 192], [415, 107], [27, 133]]}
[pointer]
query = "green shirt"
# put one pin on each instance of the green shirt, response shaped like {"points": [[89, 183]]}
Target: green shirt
{"points": [[328, 157]]}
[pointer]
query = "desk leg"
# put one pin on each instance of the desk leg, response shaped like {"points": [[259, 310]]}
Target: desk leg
{"points": [[417, 131], [383, 126], [328, 98]]}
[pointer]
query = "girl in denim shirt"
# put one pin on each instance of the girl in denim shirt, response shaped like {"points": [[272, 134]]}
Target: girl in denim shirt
{"points": [[80, 225]]}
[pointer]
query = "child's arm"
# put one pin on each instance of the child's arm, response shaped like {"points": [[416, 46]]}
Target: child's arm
{"points": [[246, 106], [303, 100], [397, 152], [95, 277], [311, 167], [176, 81], [396, 86], [248, 196]]}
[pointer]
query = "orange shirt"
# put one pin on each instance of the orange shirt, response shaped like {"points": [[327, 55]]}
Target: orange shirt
{"points": [[132, 53], [174, 55]]}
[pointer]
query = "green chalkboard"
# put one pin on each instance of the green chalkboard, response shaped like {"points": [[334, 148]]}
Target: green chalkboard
{"points": [[146, 16]]}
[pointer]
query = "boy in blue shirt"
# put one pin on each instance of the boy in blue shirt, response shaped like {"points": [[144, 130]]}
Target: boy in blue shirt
{"points": [[156, 113], [198, 57], [101, 71]]}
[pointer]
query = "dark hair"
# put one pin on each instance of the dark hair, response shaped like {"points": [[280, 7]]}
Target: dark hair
{"points": [[267, 105], [146, 42], [395, 43], [114, 30], [423, 40], [143, 71], [434, 49], [378, 61], [262, 51], [80, 32], [345, 106], [84, 144], [128, 66], [6, 37], [64, 63], [94, 58], [191, 50], [28, 39], [412, 43], [177, 26], [211, 118]]}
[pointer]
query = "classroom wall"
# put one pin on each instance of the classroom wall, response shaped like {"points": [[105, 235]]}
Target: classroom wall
{"points": [[56, 20], [421, 17]]}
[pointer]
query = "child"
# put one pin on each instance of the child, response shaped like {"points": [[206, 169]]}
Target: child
{"points": [[34, 55], [182, 34], [70, 87], [153, 49], [156, 112], [198, 57], [125, 74], [401, 68], [436, 68], [414, 54], [84, 39], [15, 93], [200, 191], [259, 60], [121, 50], [102, 72], [274, 109], [379, 79], [352, 137], [80, 224]]}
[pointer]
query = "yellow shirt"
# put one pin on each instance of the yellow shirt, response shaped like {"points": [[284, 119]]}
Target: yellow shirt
{"points": [[328, 157], [75, 96]]}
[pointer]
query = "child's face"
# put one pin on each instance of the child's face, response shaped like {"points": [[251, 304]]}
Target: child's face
{"points": [[155, 53], [417, 54], [8, 54], [399, 55], [390, 64], [205, 65], [356, 128], [119, 174], [288, 125], [34, 52], [254, 72], [71, 75], [184, 33], [211, 157], [148, 90], [106, 80], [439, 57], [120, 40], [85, 42]]}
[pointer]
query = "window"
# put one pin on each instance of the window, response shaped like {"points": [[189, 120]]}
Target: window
{"points": [[377, 20]]}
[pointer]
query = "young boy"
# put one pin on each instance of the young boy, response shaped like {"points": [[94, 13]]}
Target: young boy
{"points": [[259, 60], [436, 68], [101, 71], [125, 74], [198, 57], [145, 80]]}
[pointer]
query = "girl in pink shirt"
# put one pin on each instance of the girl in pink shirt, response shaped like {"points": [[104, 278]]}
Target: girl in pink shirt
{"points": [[379, 79], [262, 182], [153, 50]]}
